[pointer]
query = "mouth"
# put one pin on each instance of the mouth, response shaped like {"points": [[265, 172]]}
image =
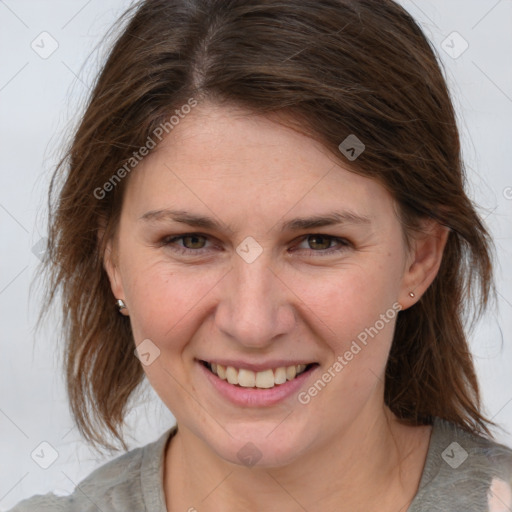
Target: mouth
{"points": [[265, 379]]}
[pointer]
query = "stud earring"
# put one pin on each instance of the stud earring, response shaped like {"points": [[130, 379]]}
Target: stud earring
{"points": [[411, 294], [120, 304]]}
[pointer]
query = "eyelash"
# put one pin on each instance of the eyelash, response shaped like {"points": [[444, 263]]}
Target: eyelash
{"points": [[169, 241]]}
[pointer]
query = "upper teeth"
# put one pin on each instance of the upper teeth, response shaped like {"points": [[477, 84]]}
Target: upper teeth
{"points": [[249, 379]]}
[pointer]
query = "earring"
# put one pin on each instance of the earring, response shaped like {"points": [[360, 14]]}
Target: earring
{"points": [[411, 294], [120, 304]]}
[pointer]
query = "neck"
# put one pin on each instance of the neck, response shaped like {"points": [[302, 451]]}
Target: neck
{"points": [[375, 462]]}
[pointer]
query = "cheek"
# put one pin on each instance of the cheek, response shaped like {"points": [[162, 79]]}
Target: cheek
{"points": [[167, 306], [356, 303], [165, 300]]}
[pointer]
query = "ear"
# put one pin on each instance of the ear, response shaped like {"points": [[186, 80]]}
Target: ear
{"points": [[423, 262], [110, 265]]}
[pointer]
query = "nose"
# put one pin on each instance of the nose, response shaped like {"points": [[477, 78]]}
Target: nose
{"points": [[256, 306]]}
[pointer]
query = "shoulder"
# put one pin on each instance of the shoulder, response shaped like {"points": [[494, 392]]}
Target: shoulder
{"points": [[465, 470], [124, 483], [472, 453]]}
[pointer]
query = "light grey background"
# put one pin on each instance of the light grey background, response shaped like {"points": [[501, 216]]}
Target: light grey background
{"points": [[40, 99]]}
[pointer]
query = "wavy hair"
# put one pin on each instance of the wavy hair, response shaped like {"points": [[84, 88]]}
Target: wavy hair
{"points": [[333, 68]]}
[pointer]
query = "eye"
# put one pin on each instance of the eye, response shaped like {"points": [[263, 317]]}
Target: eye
{"points": [[324, 244], [317, 244], [192, 243]]}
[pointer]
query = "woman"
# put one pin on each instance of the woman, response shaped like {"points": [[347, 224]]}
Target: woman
{"points": [[265, 200]]}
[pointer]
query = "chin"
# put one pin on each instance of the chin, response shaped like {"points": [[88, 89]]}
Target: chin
{"points": [[263, 446]]}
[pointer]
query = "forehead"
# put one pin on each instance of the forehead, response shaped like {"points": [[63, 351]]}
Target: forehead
{"points": [[229, 160]]}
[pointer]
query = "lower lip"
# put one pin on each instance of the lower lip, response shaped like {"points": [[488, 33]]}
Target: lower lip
{"points": [[255, 397]]}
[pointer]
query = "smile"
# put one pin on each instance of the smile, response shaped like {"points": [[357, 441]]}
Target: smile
{"points": [[264, 379]]}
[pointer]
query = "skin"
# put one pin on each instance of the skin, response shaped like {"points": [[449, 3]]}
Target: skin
{"points": [[342, 451]]}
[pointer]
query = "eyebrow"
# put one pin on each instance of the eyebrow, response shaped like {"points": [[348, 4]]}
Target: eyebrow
{"points": [[298, 224]]}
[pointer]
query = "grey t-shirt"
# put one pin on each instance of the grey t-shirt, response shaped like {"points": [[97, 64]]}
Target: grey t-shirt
{"points": [[462, 473]]}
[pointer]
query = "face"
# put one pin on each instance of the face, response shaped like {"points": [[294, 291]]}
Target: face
{"points": [[215, 267]]}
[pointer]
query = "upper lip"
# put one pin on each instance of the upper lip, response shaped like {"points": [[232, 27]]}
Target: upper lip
{"points": [[257, 367]]}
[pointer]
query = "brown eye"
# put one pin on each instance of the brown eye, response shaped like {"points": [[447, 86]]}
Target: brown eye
{"points": [[193, 241], [192, 244], [319, 242]]}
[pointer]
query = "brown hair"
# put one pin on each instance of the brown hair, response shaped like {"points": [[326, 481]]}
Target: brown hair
{"points": [[334, 68]]}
